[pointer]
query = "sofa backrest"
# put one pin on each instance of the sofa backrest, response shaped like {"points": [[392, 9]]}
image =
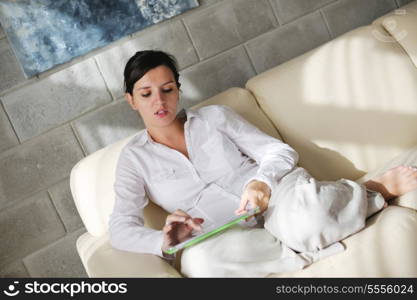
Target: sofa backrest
{"points": [[346, 107], [92, 178]]}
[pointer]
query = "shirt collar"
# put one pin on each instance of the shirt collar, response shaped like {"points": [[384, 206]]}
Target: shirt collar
{"points": [[145, 136]]}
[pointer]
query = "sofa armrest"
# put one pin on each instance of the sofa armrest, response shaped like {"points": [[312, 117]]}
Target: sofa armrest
{"points": [[401, 25], [100, 259]]}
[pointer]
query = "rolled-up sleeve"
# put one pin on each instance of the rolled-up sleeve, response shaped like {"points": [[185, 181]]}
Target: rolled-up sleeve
{"points": [[126, 223], [274, 158]]}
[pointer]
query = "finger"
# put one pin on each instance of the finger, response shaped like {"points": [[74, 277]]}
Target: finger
{"points": [[180, 212], [241, 209], [170, 241], [167, 228], [175, 218], [171, 234], [252, 201], [255, 201], [194, 224], [199, 220]]}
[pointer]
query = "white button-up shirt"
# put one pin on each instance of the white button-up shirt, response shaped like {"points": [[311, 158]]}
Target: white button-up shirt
{"points": [[225, 153]]}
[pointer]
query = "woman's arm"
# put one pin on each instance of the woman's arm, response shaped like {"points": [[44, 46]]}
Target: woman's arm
{"points": [[126, 224], [275, 158]]}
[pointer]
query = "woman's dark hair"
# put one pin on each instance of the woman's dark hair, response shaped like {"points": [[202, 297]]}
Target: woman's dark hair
{"points": [[143, 61]]}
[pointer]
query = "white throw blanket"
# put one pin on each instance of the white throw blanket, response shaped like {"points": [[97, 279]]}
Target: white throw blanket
{"points": [[307, 215], [245, 252]]}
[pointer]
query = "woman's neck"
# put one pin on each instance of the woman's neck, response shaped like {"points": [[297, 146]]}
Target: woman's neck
{"points": [[168, 135]]}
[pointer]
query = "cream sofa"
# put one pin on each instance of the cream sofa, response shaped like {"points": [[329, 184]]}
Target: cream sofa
{"points": [[348, 107]]}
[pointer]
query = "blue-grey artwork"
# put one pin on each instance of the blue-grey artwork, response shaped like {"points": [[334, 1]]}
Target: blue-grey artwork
{"points": [[45, 33]]}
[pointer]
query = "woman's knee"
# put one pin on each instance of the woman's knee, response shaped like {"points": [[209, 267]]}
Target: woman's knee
{"points": [[299, 231], [195, 261]]}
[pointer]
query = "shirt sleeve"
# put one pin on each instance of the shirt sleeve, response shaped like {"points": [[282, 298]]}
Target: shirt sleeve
{"points": [[274, 158], [126, 223]]}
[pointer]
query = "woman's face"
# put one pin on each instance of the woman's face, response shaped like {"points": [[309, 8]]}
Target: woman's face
{"points": [[155, 97]]}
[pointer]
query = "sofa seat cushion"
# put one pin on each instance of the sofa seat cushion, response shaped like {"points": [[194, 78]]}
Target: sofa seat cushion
{"points": [[386, 247], [347, 107]]}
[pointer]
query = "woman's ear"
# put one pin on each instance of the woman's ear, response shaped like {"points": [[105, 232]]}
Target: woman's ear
{"points": [[129, 99]]}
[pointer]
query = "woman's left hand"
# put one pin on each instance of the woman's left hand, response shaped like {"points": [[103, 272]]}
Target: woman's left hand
{"points": [[257, 193]]}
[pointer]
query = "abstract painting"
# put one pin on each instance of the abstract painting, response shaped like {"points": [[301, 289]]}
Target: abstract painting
{"points": [[46, 33]]}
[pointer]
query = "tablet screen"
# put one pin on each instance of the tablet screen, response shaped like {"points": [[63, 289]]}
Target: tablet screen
{"points": [[211, 230]]}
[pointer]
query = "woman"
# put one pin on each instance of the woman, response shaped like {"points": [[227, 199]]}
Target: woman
{"points": [[202, 166]]}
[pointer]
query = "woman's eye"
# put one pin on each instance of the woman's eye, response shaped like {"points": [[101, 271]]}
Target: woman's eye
{"points": [[146, 95], [167, 90]]}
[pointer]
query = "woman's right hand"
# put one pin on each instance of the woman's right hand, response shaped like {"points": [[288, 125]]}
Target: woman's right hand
{"points": [[178, 227]]}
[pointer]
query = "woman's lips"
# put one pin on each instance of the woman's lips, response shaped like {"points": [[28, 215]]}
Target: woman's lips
{"points": [[161, 114]]}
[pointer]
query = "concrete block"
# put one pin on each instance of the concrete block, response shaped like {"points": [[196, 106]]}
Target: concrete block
{"points": [[253, 18], [345, 15], [213, 29], [7, 136], [227, 24], [14, 270], [37, 164], [289, 10], [208, 78], [107, 125], [10, 72], [64, 203], [56, 99], [28, 226], [288, 41], [168, 36], [59, 259]]}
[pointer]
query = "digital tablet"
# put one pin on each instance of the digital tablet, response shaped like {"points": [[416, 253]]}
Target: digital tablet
{"points": [[211, 230]]}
